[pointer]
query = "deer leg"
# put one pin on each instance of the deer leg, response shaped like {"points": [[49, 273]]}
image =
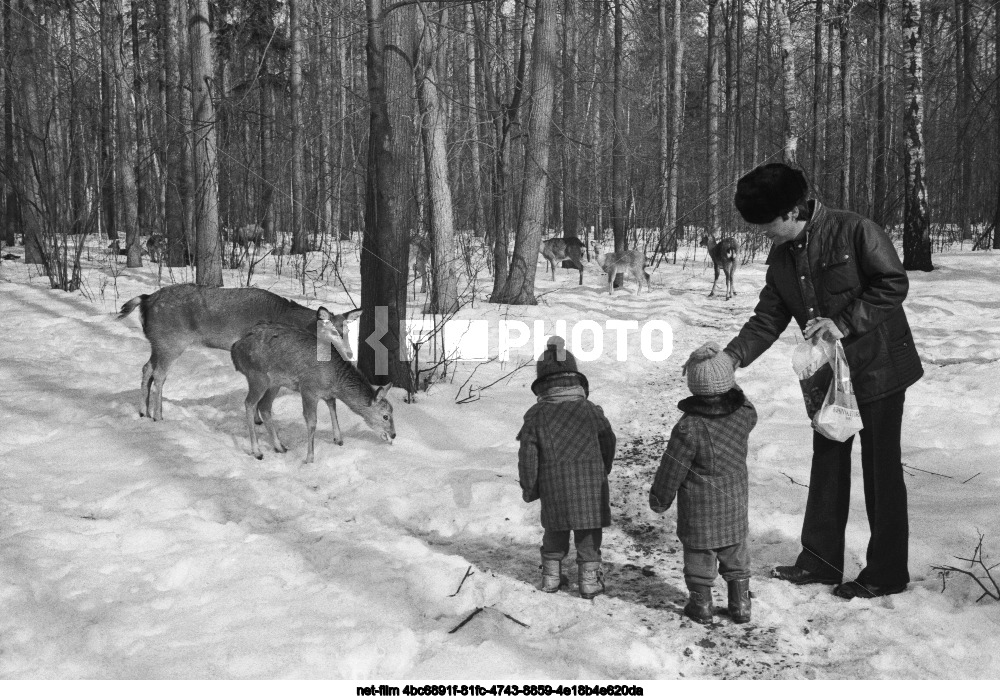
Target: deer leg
{"points": [[264, 411], [309, 413], [611, 282], [147, 379], [553, 264], [254, 395], [332, 405], [579, 266], [715, 282], [160, 362]]}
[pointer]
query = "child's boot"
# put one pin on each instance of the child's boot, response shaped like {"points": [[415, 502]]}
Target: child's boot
{"points": [[591, 579], [699, 605], [551, 575], [739, 600]]}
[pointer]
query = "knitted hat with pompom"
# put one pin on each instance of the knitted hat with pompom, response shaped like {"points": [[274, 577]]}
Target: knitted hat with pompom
{"points": [[557, 367], [709, 371]]}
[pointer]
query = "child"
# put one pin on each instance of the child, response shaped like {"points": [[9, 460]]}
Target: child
{"points": [[567, 447], [706, 462]]}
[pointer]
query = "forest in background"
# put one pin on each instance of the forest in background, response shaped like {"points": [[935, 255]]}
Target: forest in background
{"points": [[215, 125]]}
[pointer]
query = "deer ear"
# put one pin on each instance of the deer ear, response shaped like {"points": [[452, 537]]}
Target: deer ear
{"points": [[352, 314], [323, 314]]}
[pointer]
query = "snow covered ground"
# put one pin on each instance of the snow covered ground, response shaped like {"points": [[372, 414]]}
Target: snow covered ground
{"points": [[133, 549]]}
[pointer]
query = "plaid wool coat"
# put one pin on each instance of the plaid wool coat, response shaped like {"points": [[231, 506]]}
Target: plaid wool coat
{"points": [[564, 458], [705, 465]]}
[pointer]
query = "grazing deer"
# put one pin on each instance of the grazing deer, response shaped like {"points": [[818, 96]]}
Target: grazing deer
{"points": [[275, 355], [631, 261], [420, 254], [181, 315], [556, 250], [724, 256]]}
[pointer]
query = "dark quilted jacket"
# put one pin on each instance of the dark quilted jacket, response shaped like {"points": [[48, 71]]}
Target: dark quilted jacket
{"points": [[565, 455], [849, 272], [705, 466]]}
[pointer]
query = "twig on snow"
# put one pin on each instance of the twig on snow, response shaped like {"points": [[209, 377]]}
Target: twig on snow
{"points": [[976, 558], [794, 481], [468, 573], [944, 476], [462, 624]]}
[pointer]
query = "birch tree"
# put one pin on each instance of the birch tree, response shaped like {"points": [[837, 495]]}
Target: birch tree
{"points": [[208, 252], [789, 152], [444, 288], [916, 216]]}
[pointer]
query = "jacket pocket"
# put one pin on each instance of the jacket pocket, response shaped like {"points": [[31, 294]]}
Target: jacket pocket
{"points": [[839, 273]]}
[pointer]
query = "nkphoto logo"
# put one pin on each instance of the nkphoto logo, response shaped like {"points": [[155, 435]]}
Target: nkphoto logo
{"points": [[481, 340]]}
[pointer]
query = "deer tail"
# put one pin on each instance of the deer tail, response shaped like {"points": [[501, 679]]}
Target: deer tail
{"points": [[130, 306]]}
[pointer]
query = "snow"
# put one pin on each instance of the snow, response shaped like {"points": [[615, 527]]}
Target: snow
{"points": [[139, 550]]}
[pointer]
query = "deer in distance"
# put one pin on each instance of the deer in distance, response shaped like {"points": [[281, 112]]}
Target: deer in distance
{"points": [[181, 315], [276, 355], [557, 250], [724, 256], [421, 249], [630, 261]]}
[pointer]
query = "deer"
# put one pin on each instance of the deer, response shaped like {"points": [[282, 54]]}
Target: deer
{"points": [[631, 261], [181, 315], [724, 256], [557, 250], [420, 254], [275, 355]]}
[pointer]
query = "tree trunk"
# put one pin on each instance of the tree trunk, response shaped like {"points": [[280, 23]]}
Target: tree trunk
{"points": [[503, 116], [881, 177], [712, 89], [520, 287], [478, 213], [676, 122], [344, 231], [619, 167], [108, 98], [789, 152], [916, 218], [295, 17], [10, 212], [385, 250], [846, 101], [444, 288], [208, 251], [265, 213], [124, 173], [816, 165], [174, 138], [570, 151], [996, 64], [133, 248]]}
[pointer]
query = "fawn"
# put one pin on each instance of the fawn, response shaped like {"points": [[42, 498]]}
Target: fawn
{"points": [[181, 315], [724, 255], [275, 355], [631, 261], [556, 250]]}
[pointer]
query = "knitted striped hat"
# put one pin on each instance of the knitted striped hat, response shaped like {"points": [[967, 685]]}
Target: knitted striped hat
{"points": [[709, 371]]}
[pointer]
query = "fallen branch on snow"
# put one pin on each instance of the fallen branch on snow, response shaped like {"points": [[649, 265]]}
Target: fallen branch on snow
{"points": [[992, 590]]}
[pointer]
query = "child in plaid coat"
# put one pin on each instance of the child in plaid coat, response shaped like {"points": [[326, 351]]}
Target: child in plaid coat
{"points": [[567, 448], [706, 464]]}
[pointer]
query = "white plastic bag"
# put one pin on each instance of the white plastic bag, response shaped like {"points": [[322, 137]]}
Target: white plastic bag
{"points": [[825, 379]]}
